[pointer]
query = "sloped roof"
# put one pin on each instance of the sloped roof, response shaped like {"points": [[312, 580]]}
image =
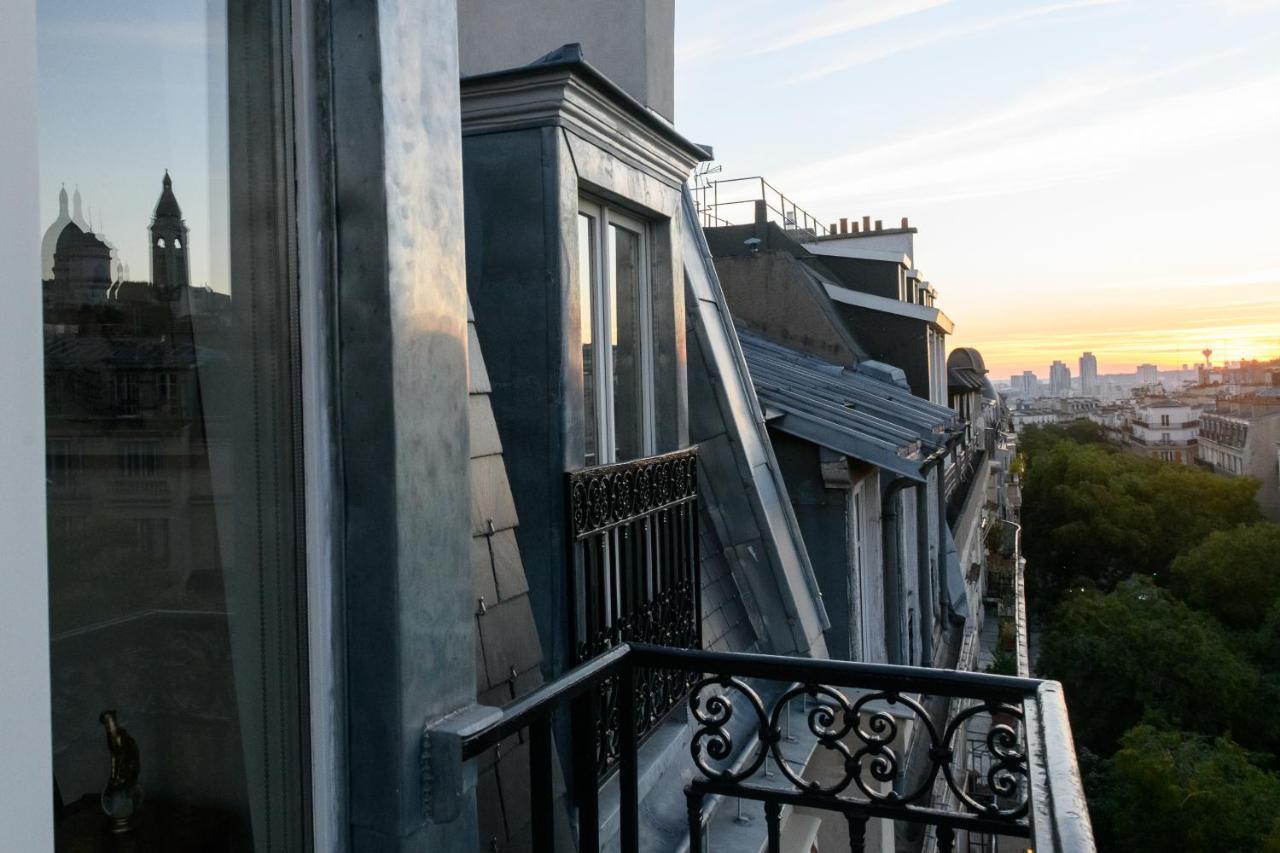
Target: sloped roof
{"points": [[964, 379], [744, 501], [844, 410]]}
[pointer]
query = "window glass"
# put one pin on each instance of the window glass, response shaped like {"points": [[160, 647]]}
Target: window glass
{"points": [[172, 427], [615, 328], [627, 342], [587, 275]]}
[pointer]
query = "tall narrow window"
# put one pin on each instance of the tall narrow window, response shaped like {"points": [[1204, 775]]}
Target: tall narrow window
{"points": [[616, 330], [588, 274], [170, 348], [861, 630]]}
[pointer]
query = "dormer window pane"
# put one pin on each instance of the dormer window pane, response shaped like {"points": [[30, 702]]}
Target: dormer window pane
{"points": [[587, 264], [614, 306], [630, 352]]}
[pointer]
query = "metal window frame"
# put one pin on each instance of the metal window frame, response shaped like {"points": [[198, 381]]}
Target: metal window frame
{"points": [[26, 807], [604, 289]]}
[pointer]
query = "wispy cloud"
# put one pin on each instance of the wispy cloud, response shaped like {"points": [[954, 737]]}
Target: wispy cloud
{"points": [[854, 16], [1035, 145], [760, 34], [872, 53]]}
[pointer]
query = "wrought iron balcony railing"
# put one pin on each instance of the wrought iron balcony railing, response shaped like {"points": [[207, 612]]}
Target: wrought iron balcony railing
{"points": [[856, 712], [635, 578]]}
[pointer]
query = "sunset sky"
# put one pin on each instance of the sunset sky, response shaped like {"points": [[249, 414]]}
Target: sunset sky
{"points": [[1086, 174]]}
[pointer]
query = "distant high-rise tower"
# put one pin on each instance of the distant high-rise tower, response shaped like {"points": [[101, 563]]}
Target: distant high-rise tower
{"points": [[1148, 374], [1059, 380], [170, 269], [1030, 385], [1089, 386]]}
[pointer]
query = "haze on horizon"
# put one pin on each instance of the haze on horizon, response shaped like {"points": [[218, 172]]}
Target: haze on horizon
{"points": [[1085, 174]]}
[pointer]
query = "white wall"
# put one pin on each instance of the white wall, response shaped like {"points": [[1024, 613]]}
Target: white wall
{"points": [[26, 784], [631, 41]]}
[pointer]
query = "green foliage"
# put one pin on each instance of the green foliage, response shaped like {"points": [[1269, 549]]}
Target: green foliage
{"points": [[1003, 663], [1137, 653], [1234, 575], [1038, 437], [1172, 790], [1094, 513]]}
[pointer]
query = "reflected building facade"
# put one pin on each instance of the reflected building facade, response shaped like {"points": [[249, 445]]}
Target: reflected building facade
{"points": [[138, 608]]}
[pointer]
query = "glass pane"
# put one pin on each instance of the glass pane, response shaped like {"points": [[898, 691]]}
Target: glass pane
{"points": [[172, 424], [627, 332], [586, 328]]}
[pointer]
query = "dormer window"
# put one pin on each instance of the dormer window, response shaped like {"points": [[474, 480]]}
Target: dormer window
{"points": [[614, 307]]}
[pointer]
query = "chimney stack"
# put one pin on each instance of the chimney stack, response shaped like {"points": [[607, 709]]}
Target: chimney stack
{"points": [[833, 228], [879, 225], [855, 227], [904, 223], [866, 223], [844, 225]]}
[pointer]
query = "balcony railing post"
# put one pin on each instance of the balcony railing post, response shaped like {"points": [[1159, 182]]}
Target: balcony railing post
{"points": [[857, 833], [628, 764], [693, 806], [773, 817], [541, 785], [586, 789]]}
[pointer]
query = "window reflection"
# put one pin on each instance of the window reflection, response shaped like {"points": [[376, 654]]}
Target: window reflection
{"points": [[586, 327], [628, 343], [171, 424]]}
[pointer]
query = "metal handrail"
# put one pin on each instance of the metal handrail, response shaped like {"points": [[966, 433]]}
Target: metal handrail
{"points": [[792, 217], [1030, 739]]}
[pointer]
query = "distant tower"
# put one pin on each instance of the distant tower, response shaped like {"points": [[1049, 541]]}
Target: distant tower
{"points": [[170, 269], [1207, 352], [77, 212], [50, 242]]}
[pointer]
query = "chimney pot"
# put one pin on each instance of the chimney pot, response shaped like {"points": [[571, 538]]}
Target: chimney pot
{"points": [[904, 222], [879, 225], [866, 223], [844, 225]]}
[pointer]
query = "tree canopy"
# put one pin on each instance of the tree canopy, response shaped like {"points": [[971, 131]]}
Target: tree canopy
{"points": [[1173, 790], [1091, 512], [1137, 653], [1234, 575]]}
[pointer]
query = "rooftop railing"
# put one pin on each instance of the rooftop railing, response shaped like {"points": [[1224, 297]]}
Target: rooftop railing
{"points": [[733, 201], [857, 712]]}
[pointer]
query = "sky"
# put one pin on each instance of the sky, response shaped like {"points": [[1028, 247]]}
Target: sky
{"points": [[1097, 175], [128, 89]]}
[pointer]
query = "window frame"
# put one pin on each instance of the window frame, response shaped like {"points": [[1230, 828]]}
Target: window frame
{"points": [[603, 289]]}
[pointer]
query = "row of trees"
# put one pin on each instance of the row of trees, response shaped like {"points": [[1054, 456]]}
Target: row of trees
{"points": [[1158, 587]]}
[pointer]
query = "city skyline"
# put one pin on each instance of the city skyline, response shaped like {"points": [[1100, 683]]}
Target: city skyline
{"points": [[1169, 113]]}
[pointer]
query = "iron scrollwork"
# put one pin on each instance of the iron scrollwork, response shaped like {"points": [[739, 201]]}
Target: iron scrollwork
{"points": [[610, 495], [634, 525], [866, 735]]}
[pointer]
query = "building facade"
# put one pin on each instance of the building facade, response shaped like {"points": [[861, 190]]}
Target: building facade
{"points": [[1161, 428], [409, 500], [1238, 439], [1059, 380], [1089, 384]]}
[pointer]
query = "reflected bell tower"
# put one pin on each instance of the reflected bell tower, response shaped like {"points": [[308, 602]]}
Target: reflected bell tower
{"points": [[170, 269]]}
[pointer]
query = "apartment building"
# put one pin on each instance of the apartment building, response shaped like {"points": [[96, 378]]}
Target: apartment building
{"points": [[427, 493]]}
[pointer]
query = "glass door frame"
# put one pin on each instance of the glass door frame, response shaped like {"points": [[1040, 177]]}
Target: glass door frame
{"points": [[602, 283], [26, 801], [26, 804]]}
